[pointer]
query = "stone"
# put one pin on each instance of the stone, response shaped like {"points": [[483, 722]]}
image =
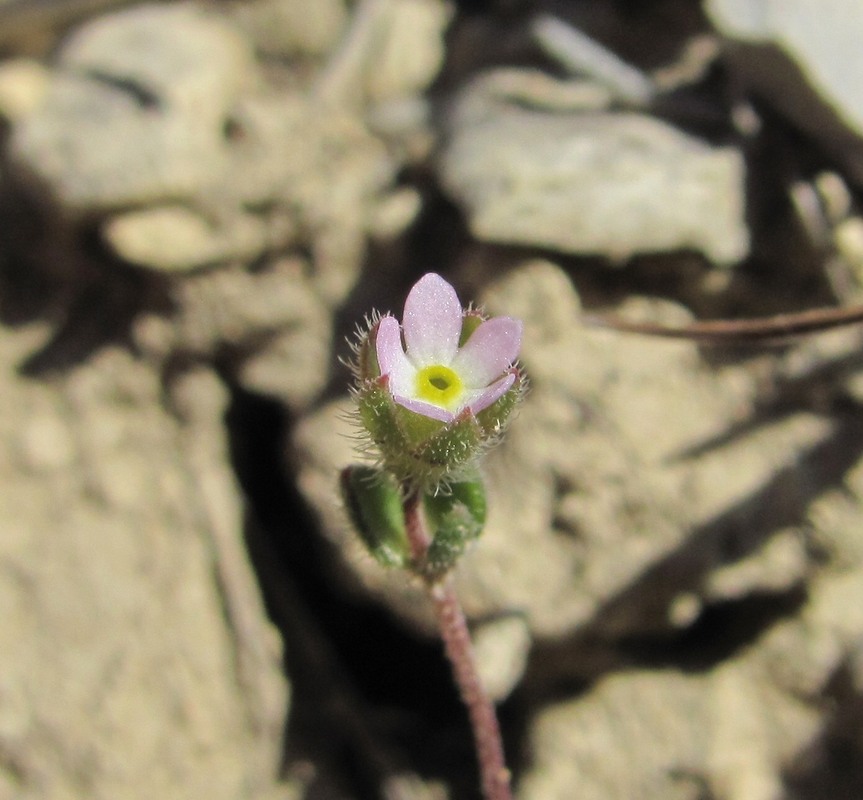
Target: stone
{"points": [[137, 108], [501, 646], [23, 83], [160, 123], [179, 239], [823, 38], [601, 183], [411, 52], [273, 320], [140, 661], [392, 49], [287, 28], [738, 730]]}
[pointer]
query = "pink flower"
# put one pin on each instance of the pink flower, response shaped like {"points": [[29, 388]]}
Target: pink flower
{"points": [[433, 372]]}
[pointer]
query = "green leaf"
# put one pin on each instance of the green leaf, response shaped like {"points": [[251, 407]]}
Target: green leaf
{"points": [[374, 503]]}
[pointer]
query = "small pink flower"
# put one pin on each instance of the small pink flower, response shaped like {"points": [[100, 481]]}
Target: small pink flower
{"points": [[430, 374]]}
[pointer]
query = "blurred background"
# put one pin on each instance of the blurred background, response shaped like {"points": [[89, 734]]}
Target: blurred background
{"points": [[199, 203]]}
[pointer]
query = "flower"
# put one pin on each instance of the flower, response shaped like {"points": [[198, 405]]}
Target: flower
{"points": [[437, 390], [432, 374]]}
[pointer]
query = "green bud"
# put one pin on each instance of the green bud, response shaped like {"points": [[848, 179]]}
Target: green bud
{"points": [[454, 518], [374, 503]]}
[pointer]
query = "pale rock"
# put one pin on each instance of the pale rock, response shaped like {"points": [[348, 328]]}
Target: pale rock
{"points": [[290, 27], [823, 38], [179, 239], [23, 83], [137, 107], [392, 49], [132, 670], [274, 317], [410, 51], [46, 443], [598, 183], [501, 646], [294, 365]]}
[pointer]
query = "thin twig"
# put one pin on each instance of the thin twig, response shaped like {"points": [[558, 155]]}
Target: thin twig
{"points": [[724, 331], [578, 53]]}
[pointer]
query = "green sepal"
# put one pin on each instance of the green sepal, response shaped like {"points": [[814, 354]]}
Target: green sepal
{"points": [[417, 449], [493, 420], [373, 500], [453, 446], [424, 452], [470, 321], [379, 415], [367, 366], [454, 518]]}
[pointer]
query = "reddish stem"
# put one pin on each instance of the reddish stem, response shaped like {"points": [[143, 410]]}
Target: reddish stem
{"points": [[494, 774]]}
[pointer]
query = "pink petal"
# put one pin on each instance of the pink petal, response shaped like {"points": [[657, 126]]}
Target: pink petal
{"points": [[491, 350], [494, 392], [432, 321], [426, 409], [391, 357]]}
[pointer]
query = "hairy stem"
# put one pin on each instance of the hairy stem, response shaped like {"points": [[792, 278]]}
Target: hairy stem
{"points": [[494, 775]]}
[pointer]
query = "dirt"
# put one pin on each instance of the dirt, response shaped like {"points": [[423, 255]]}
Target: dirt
{"points": [[198, 205]]}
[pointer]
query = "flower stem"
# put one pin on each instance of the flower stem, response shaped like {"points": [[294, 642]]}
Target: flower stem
{"points": [[494, 775]]}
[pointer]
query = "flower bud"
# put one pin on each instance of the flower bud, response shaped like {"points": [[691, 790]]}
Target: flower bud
{"points": [[374, 504], [455, 518]]}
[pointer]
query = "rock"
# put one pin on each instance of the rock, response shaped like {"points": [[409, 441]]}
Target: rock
{"points": [[159, 121], [178, 239], [137, 109], [740, 730], [502, 646], [273, 321], [287, 28], [293, 366], [411, 52], [23, 83], [393, 49], [804, 62], [132, 669], [612, 184], [824, 39]]}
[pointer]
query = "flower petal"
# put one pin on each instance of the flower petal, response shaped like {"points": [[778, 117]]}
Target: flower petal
{"points": [[391, 357], [483, 399], [426, 409], [432, 322], [491, 349]]}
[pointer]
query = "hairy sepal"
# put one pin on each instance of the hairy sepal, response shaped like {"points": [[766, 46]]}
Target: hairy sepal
{"points": [[455, 518], [373, 500]]}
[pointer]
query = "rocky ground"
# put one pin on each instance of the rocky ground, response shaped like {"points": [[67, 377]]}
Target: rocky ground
{"points": [[199, 201]]}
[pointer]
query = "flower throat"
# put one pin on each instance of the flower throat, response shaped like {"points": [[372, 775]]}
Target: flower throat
{"points": [[439, 385]]}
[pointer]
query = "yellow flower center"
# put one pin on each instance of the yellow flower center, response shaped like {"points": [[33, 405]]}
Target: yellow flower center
{"points": [[439, 386]]}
